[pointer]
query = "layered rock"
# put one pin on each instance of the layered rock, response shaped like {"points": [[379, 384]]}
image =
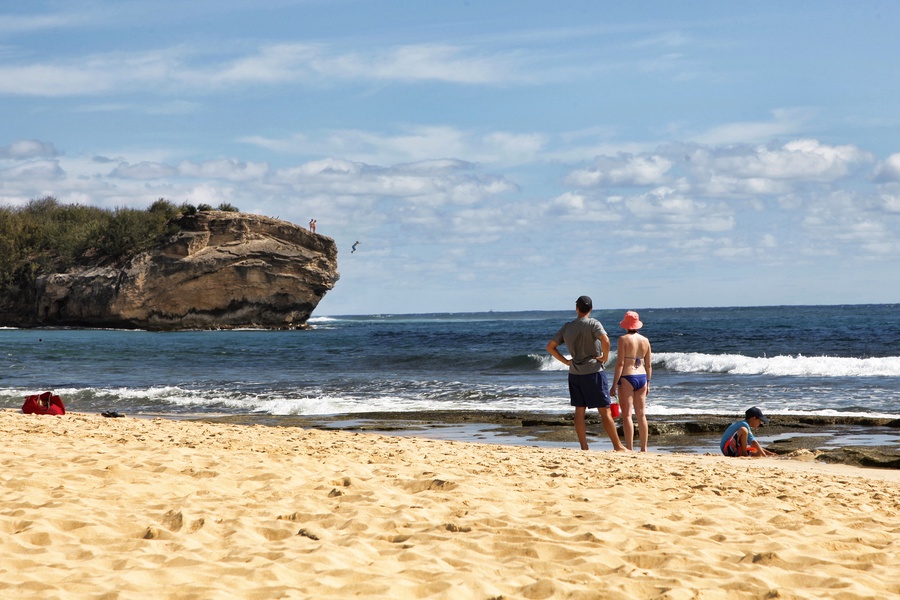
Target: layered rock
{"points": [[221, 270]]}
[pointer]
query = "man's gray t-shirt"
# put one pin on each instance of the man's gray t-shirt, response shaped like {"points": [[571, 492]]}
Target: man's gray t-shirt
{"points": [[582, 338]]}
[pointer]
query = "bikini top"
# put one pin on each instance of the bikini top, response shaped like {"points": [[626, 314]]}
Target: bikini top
{"points": [[638, 361]]}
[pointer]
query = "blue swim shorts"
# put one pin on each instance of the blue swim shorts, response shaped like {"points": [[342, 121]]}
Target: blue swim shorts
{"points": [[591, 390]]}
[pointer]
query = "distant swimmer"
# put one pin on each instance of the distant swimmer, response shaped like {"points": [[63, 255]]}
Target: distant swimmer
{"points": [[355, 244]]}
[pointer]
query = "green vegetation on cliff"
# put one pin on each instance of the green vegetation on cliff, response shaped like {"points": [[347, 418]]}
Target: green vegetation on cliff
{"points": [[45, 236]]}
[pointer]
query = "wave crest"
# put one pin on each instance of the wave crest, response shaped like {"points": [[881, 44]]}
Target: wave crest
{"points": [[798, 366]]}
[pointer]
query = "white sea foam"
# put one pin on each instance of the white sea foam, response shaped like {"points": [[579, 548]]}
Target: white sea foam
{"points": [[322, 320], [799, 366], [548, 363], [736, 364]]}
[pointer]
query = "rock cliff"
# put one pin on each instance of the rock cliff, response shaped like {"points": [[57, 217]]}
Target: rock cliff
{"points": [[221, 270]]}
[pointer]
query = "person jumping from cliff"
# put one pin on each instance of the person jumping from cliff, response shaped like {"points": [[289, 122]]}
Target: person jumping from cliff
{"points": [[353, 248]]}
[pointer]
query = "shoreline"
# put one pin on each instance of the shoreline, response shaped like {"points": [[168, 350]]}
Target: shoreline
{"points": [[856, 441]]}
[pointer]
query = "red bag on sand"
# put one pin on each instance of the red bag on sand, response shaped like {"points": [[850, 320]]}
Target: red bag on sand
{"points": [[43, 404]]}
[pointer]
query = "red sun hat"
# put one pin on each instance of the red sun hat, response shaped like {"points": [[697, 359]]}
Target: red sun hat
{"points": [[631, 321]]}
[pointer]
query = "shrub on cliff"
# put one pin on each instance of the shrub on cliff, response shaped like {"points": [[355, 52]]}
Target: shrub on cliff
{"points": [[45, 236]]}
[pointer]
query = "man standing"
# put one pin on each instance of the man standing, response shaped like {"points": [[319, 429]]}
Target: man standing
{"points": [[588, 344]]}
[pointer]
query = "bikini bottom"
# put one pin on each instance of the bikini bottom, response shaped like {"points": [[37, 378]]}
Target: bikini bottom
{"points": [[637, 381]]}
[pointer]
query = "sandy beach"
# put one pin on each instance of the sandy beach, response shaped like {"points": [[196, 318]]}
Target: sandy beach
{"points": [[125, 508]]}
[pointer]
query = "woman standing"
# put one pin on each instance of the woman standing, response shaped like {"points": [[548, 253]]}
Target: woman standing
{"points": [[632, 378]]}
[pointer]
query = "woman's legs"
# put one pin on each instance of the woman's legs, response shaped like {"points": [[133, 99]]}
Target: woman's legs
{"points": [[626, 400], [640, 402]]}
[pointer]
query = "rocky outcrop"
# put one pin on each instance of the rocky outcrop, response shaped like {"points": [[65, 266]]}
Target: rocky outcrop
{"points": [[221, 270]]}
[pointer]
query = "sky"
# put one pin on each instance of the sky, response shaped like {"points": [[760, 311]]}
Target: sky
{"points": [[487, 155]]}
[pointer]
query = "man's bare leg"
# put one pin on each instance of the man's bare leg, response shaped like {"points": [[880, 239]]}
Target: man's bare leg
{"points": [[609, 425], [580, 427]]}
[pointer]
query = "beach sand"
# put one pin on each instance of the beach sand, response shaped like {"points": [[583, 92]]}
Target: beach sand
{"points": [[125, 508]]}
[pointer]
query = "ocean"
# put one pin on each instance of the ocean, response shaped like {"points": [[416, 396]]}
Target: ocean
{"points": [[821, 360]]}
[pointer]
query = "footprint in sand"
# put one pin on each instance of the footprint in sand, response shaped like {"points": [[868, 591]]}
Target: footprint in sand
{"points": [[421, 485], [173, 520]]}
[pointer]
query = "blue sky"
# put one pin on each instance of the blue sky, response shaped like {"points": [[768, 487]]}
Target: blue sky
{"points": [[488, 155]]}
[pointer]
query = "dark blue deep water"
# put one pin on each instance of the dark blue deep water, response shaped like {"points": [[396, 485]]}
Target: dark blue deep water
{"points": [[785, 359]]}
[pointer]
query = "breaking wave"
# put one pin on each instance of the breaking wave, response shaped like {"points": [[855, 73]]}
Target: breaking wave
{"points": [[797, 366]]}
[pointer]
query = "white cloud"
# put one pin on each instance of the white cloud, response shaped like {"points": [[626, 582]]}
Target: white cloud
{"points": [[190, 69], [28, 149], [889, 170], [224, 169], [798, 160], [214, 195], [731, 251], [862, 230], [785, 122], [422, 62], [36, 170], [96, 74], [848, 223], [430, 183], [20, 24], [891, 201], [666, 39], [623, 170], [636, 250], [175, 107], [143, 171], [275, 64], [412, 145], [227, 169], [724, 185], [329, 167], [574, 207], [667, 210], [726, 171], [568, 203]]}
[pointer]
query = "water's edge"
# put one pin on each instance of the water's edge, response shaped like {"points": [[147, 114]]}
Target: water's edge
{"points": [[858, 441]]}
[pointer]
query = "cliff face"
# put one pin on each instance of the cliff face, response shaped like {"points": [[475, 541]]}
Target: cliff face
{"points": [[222, 270]]}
